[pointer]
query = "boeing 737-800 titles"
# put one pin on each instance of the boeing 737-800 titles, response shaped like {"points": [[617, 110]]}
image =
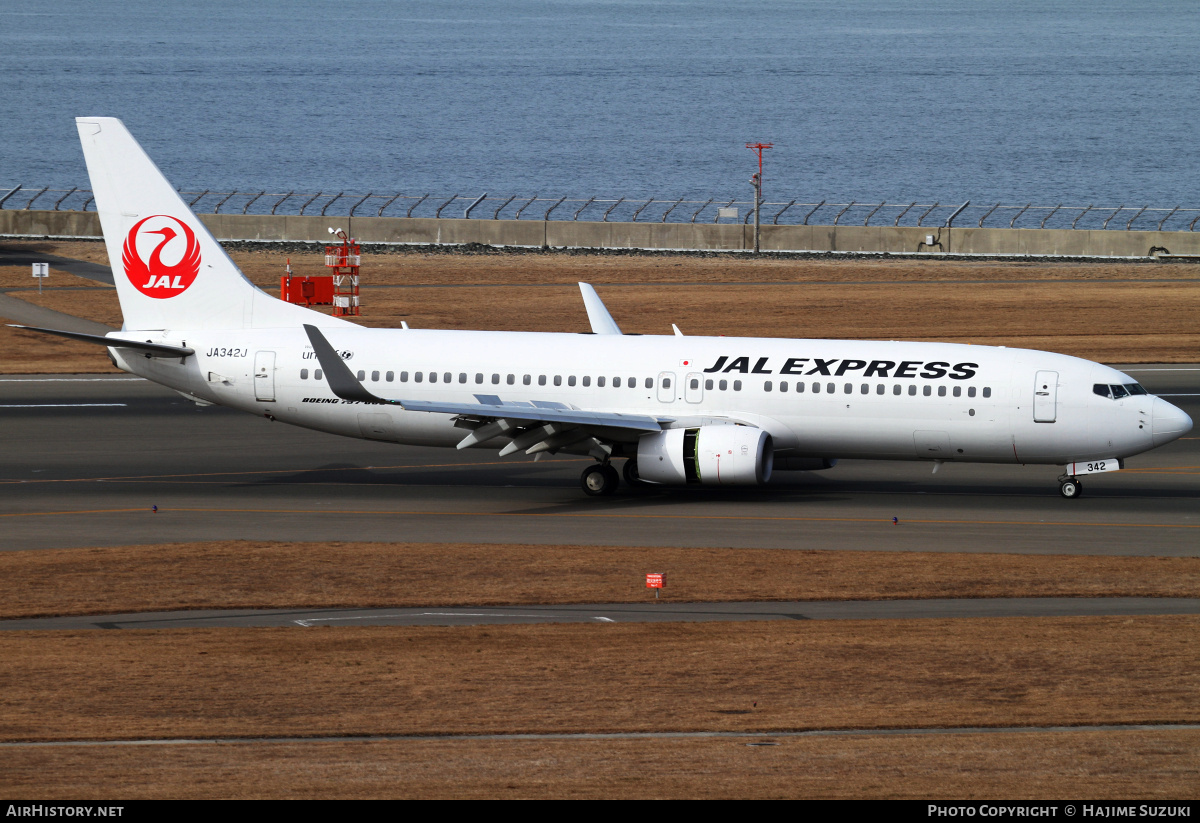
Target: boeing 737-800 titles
{"points": [[679, 410]]}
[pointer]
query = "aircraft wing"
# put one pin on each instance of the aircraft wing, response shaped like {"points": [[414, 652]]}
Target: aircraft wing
{"points": [[532, 427]]}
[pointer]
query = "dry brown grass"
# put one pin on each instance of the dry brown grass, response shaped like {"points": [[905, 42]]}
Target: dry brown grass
{"points": [[246, 574], [762, 676], [1148, 319], [1067, 765]]}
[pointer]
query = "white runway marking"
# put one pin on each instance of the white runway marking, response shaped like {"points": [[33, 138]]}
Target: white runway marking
{"points": [[55, 405], [604, 619], [69, 379]]}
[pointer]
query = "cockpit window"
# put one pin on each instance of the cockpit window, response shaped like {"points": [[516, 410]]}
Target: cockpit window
{"points": [[1116, 392]]}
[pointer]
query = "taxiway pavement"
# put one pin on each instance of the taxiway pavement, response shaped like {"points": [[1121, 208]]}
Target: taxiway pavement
{"points": [[86, 458], [650, 612]]}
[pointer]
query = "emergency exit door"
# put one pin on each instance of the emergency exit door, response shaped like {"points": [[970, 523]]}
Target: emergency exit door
{"points": [[264, 376], [1045, 397]]}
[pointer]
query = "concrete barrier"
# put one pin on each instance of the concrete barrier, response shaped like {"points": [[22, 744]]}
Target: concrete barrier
{"points": [[702, 236]]}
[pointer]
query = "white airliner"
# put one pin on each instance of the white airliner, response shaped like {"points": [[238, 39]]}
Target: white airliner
{"points": [[679, 410]]}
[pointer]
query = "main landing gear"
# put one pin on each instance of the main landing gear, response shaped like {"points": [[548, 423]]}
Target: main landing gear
{"points": [[599, 479], [1070, 487]]}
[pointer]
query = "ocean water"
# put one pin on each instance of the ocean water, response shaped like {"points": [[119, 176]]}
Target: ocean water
{"points": [[869, 101]]}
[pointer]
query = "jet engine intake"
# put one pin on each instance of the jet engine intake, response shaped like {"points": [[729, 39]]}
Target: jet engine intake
{"points": [[709, 455]]}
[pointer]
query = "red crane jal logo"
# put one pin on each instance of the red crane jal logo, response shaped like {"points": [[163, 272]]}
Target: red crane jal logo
{"points": [[154, 277]]}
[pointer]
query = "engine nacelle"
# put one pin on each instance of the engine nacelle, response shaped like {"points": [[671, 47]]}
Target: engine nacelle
{"points": [[711, 455]]}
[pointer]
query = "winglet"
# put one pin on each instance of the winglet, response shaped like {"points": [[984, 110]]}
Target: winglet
{"points": [[342, 381], [598, 316]]}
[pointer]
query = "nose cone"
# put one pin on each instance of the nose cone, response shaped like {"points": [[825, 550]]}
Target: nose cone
{"points": [[1169, 423]]}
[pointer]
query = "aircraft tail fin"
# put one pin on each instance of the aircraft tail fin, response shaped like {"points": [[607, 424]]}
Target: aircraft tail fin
{"points": [[170, 272]]}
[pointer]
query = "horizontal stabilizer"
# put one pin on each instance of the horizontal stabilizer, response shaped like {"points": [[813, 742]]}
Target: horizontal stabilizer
{"points": [[152, 349]]}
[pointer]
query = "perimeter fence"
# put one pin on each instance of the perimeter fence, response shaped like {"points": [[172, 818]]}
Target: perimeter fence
{"points": [[1090, 217]]}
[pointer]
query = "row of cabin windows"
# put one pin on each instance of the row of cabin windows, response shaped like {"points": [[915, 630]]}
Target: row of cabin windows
{"points": [[709, 384], [511, 380], [880, 388]]}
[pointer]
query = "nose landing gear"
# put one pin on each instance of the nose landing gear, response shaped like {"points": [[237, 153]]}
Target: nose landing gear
{"points": [[1070, 487]]}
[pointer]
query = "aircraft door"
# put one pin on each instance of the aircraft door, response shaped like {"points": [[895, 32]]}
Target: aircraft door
{"points": [[1045, 397], [264, 376], [693, 387], [666, 387]]}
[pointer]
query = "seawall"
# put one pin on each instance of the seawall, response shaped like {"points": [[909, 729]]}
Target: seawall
{"points": [[693, 236]]}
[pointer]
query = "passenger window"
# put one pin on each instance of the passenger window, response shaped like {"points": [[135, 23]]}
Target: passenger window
{"points": [[600, 382], [433, 377], [970, 391], [880, 389], [462, 377], [632, 383], [848, 389], [708, 384], [767, 385], [865, 389], [374, 377], [304, 374], [447, 377], [390, 377], [987, 391], [616, 382], [495, 379], [958, 391], [694, 383], [570, 380], [587, 380], [926, 390], [362, 375], [737, 385], [897, 389], [478, 378], [724, 384], [558, 379], [403, 377], [418, 376], [783, 385], [816, 388], [666, 382], [941, 391], [830, 388], [799, 388], [511, 380], [317, 374], [912, 391], [526, 380], [650, 383], [541, 379]]}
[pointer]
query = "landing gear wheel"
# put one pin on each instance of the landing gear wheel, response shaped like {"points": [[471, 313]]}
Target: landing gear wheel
{"points": [[632, 478], [599, 480], [1070, 488]]}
